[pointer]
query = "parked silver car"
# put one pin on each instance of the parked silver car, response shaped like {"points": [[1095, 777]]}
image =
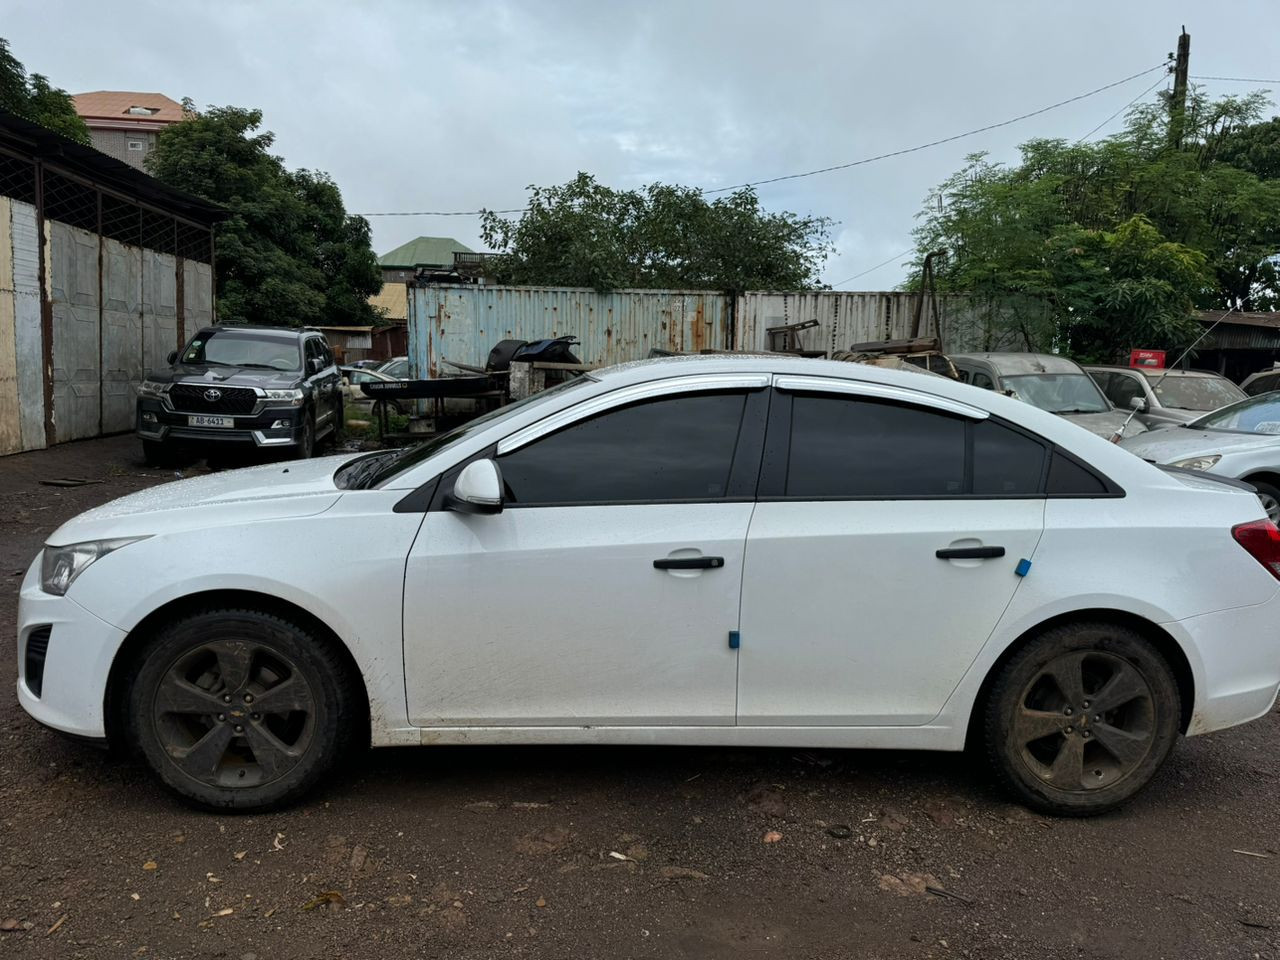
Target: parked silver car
{"points": [[1264, 381], [1051, 383], [1240, 442], [1167, 396]]}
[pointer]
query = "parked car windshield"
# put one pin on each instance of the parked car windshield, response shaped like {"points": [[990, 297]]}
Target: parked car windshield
{"points": [[1260, 414], [244, 348], [1058, 392], [1194, 393], [365, 472]]}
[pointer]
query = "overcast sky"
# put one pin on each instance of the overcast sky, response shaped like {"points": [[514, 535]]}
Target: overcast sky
{"points": [[456, 105]]}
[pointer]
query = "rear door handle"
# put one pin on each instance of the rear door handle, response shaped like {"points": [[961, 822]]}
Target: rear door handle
{"points": [[969, 553], [688, 563]]}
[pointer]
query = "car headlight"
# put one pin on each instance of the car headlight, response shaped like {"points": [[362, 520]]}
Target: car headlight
{"points": [[153, 388], [1198, 463], [60, 566], [291, 396]]}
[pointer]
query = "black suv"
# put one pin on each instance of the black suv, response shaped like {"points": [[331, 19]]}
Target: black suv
{"points": [[273, 387]]}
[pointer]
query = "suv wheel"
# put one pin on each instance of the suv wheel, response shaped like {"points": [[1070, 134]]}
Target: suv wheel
{"points": [[155, 453], [306, 447], [241, 709], [1081, 718]]}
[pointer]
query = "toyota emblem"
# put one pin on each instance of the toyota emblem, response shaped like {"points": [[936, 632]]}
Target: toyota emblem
{"points": [[213, 394]]}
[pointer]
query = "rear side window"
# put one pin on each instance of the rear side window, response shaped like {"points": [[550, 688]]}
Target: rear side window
{"points": [[1005, 462], [860, 448], [1068, 478], [673, 449], [845, 447]]}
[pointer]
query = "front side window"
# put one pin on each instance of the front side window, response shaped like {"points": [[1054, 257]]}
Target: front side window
{"points": [[677, 448], [243, 348], [1123, 389], [983, 381]]}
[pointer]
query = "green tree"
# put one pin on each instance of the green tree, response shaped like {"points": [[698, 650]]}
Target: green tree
{"points": [[1099, 247], [585, 234], [289, 253], [34, 98]]}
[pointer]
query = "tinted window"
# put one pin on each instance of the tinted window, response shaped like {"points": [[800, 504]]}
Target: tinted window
{"points": [[1005, 462], [983, 381], [676, 448], [1068, 477], [1123, 389], [861, 448]]}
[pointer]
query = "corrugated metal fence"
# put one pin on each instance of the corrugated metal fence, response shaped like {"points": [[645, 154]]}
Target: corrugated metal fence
{"points": [[72, 356], [462, 322]]}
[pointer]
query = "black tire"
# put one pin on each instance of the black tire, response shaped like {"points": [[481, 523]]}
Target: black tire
{"points": [[240, 709], [306, 446], [1059, 760], [1269, 495]]}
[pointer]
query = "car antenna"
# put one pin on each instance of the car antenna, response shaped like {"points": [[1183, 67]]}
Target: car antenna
{"points": [[1119, 434]]}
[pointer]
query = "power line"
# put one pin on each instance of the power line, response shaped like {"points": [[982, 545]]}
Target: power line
{"points": [[1237, 79], [1159, 81], [839, 166], [873, 269]]}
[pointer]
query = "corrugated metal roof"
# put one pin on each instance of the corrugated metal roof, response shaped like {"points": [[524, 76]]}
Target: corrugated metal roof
{"points": [[424, 252]]}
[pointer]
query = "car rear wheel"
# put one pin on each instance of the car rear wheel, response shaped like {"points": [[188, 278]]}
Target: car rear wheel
{"points": [[241, 709], [1081, 718]]}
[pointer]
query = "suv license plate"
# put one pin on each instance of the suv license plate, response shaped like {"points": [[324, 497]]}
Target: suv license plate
{"points": [[203, 421]]}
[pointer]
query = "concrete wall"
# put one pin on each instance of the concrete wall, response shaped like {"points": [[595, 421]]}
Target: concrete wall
{"points": [[115, 143]]}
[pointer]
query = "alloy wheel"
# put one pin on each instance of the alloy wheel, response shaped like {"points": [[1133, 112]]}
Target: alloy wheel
{"points": [[234, 713], [1085, 721]]}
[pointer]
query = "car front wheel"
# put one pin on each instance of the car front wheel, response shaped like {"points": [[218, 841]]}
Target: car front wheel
{"points": [[306, 446], [1081, 718], [241, 709]]}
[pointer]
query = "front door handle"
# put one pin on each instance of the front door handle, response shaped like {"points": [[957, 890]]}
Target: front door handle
{"points": [[969, 553], [688, 563]]}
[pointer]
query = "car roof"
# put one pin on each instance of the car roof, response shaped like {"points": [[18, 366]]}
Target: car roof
{"points": [[1012, 364], [278, 333]]}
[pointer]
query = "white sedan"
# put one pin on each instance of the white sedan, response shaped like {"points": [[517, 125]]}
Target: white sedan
{"points": [[708, 550]]}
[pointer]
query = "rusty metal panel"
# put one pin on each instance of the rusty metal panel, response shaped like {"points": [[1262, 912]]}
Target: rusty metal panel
{"points": [[28, 335], [77, 369], [10, 409], [847, 318], [122, 367], [159, 307], [197, 294], [462, 322]]}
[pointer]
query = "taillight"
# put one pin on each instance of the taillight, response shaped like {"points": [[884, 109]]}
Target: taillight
{"points": [[1262, 539]]}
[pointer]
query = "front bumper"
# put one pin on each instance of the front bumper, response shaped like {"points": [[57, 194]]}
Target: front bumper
{"points": [[279, 425], [81, 647]]}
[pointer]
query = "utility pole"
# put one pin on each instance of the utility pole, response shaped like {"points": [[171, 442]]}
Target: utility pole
{"points": [[1178, 102]]}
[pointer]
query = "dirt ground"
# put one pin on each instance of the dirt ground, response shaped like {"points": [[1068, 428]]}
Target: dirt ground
{"points": [[609, 852]]}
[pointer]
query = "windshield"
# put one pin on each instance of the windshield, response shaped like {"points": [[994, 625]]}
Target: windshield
{"points": [[398, 461], [1059, 392], [1194, 393], [1260, 414], [244, 348]]}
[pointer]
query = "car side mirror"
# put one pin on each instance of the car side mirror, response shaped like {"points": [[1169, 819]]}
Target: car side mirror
{"points": [[172, 358], [1139, 404], [316, 364], [478, 489]]}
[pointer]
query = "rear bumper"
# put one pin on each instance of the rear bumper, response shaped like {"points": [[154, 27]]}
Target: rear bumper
{"points": [[70, 693], [274, 426], [1238, 670]]}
